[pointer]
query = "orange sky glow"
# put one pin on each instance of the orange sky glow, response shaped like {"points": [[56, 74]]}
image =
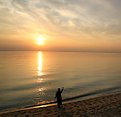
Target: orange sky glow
{"points": [[78, 25]]}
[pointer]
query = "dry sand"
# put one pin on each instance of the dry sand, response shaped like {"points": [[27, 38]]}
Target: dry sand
{"points": [[103, 106]]}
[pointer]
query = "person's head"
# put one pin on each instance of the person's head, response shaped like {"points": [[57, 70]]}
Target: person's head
{"points": [[58, 89]]}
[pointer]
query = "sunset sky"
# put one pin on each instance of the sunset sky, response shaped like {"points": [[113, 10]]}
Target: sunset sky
{"points": [[63, 25]]}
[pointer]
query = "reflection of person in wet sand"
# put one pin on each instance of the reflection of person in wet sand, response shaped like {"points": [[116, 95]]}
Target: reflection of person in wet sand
{"points": [[59, 97]]}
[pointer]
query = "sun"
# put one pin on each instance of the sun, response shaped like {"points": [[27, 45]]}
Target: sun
{"points": [[40, 40]]}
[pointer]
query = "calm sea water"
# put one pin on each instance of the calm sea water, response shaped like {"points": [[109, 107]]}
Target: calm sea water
{"points": [[31, 77]]}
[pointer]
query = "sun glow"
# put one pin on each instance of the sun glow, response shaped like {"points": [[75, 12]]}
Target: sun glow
{"points": [[40, 40]]}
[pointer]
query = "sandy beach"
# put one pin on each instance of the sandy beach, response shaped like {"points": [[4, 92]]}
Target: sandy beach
{"points": [[103, 106]]}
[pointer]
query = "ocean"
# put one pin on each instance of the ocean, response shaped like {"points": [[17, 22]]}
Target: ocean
{"points": [[29, 78]]}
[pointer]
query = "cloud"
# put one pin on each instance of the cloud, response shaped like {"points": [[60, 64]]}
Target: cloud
{"points": [[77, 19], [80, 15]]}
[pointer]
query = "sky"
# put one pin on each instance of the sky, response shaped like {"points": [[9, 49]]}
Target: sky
{"points": [[64, 25]]}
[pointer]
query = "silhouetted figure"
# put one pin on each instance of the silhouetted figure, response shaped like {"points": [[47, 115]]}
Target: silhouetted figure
{"points": [[59, 97]]}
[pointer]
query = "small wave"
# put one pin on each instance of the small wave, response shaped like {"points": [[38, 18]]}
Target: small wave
{"points": [[70, 99], [103, 91]]}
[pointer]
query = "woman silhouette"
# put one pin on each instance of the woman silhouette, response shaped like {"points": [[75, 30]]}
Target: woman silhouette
{"points": [[59, 97]]}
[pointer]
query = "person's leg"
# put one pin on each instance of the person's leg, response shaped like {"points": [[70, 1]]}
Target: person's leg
{"points": [[58, 105]]}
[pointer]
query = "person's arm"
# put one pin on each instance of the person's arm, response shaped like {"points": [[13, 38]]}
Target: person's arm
{"points": [[62, 89]]}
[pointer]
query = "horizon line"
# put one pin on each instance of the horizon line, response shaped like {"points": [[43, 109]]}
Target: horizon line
{"points": [[68, 51]]}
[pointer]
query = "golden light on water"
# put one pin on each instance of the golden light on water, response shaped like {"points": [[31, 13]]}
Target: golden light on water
{"points": [[40, 73]]}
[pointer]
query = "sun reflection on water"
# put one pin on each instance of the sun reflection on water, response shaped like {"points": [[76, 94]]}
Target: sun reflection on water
{"points": [[40, 72], [41, 89]]}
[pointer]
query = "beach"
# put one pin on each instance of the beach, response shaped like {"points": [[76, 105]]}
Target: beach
{"points": [[102, 106]]}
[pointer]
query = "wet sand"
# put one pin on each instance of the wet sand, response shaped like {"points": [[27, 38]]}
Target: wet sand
{"points": [[103, 106]]}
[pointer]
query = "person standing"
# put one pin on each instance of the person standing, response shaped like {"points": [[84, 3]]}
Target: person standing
{"points": [[59, 97]]}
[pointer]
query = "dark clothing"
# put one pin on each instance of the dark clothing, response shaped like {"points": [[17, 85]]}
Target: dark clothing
{"points": [[59, 97]]}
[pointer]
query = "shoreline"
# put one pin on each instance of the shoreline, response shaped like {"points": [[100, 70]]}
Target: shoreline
{"points": [[66, 100], [105, 105]]}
